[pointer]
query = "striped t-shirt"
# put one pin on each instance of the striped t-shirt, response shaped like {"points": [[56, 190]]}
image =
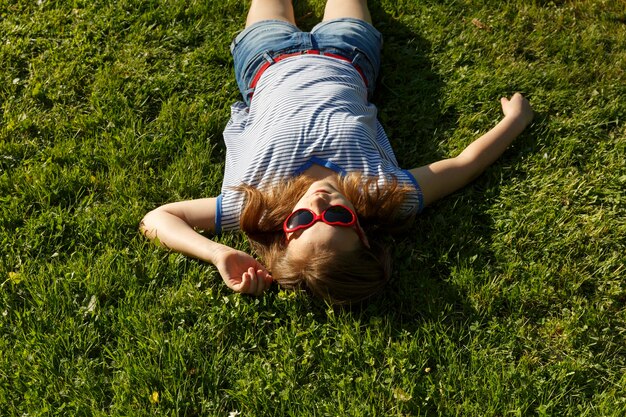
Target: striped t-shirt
{"points": [[309, 109]]}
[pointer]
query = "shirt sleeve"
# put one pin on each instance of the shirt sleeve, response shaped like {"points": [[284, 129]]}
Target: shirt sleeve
{"points": [[229, 205], [414, 204], [218, 215]]}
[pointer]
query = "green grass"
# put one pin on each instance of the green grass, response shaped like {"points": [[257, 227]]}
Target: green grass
{"points": [[508, 297]]}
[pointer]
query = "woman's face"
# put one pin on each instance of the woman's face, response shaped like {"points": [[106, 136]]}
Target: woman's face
{"points": [[321, 236]]}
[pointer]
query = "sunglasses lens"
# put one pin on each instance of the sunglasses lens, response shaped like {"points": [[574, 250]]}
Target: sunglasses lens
{"points": [[299, 218], [338, 214]]}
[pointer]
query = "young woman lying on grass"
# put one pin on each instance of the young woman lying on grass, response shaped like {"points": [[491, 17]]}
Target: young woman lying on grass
{"points": [[309, 170]]}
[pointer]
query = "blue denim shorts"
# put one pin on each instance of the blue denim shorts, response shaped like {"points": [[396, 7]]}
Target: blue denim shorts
{"points": [[354, 39]]}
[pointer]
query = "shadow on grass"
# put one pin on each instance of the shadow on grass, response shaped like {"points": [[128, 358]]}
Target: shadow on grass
{"points": [[448, 250], [410, 109]]}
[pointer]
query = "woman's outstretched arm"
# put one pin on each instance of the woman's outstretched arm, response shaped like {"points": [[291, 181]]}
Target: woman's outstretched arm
{"points": [[174, 226], [448, 175]]}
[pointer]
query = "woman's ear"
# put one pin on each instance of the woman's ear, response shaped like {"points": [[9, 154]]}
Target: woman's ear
{"points": [[363, 236]]}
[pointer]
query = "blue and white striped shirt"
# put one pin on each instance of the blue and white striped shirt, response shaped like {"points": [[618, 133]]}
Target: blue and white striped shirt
{"points": [[308, 109]]}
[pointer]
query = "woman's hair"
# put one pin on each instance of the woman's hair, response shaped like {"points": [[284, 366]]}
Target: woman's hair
{"points": [[341, 278]]}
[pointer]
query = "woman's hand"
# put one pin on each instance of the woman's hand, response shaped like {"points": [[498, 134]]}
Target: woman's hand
{"points": [[448, 175], [174, 225], [242, 273], [518, 108]]}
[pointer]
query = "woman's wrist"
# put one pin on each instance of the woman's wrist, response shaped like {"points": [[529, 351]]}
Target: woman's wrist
{"points": [[213, 252], [517, 121]]}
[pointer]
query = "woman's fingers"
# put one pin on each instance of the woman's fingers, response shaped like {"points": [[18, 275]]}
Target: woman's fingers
{"points": [[252, 287], [267, 278], [255, 282]]}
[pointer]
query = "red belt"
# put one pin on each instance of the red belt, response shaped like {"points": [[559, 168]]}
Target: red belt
{"points": [[266, 65]]}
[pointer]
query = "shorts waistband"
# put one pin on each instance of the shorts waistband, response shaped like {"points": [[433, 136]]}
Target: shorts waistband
{"points": [[282, 57]]}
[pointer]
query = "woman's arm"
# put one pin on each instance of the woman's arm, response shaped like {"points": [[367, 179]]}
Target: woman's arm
{"points": [[448, 175], [174, 226]]}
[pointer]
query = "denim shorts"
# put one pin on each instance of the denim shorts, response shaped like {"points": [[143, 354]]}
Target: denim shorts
{"points": [[351, 38]]}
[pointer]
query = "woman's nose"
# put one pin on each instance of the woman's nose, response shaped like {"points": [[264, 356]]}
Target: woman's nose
{"points": [[319, 202]]}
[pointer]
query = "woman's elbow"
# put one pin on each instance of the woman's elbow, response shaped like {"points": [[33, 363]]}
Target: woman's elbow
{"points": [[148, 225]]}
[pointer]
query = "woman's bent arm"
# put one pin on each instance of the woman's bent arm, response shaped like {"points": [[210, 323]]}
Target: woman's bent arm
{"points": [[174, 226], [448, 175]]}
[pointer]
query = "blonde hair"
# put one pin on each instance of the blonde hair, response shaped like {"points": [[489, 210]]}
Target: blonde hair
{"points": [[349, 277]]}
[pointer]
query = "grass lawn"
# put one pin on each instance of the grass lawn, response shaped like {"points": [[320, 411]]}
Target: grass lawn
{"points": [[508, 298]]}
